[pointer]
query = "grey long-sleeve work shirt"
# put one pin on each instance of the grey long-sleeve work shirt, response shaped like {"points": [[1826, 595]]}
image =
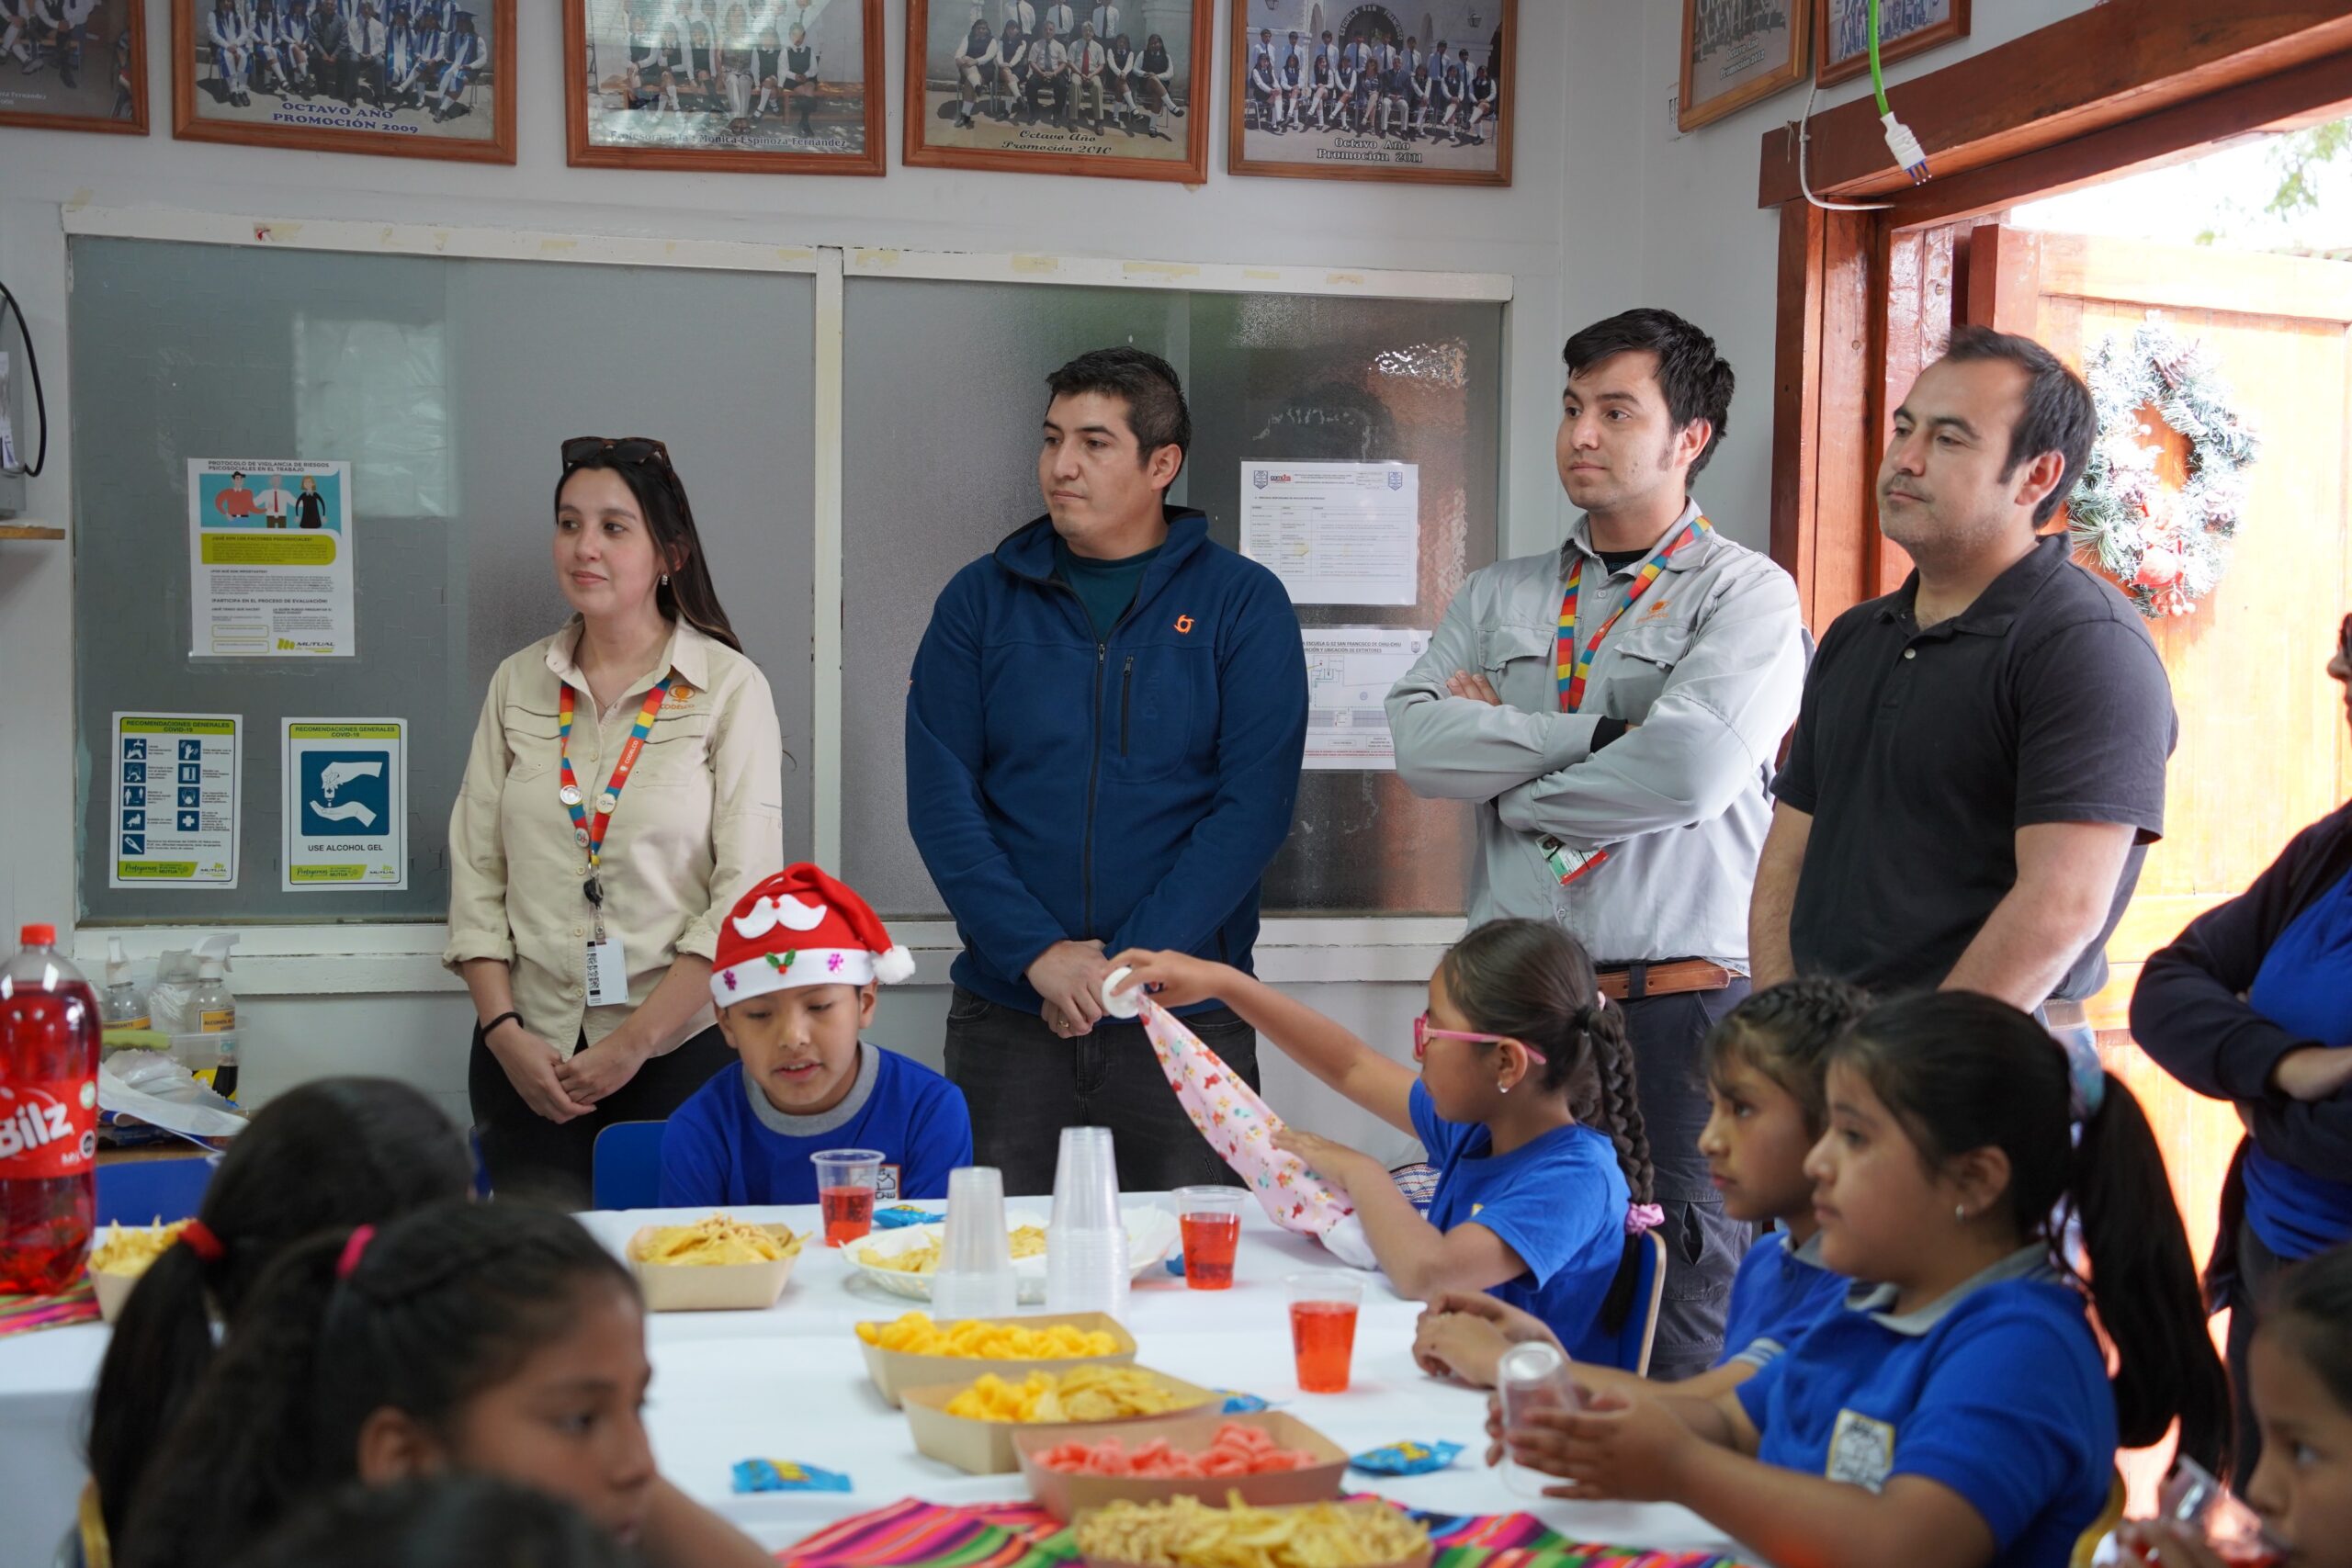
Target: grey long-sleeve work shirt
{"points": [[1709, 665]]}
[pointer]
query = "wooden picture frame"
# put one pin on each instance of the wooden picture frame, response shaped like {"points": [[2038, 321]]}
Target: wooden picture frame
{"points": [[1833, 17], [1481, 38], [116, 74], [207, 109], [1724, 70], [1163, 133], [831, 127]]}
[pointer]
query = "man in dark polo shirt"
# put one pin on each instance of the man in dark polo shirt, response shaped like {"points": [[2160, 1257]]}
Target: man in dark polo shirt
{"points": [[1979, 762]]}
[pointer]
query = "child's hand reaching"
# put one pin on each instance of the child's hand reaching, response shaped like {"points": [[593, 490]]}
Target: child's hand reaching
{"points": [[1172, 979], [1335, 1163], [1463, 1333], [1618, 1448]]}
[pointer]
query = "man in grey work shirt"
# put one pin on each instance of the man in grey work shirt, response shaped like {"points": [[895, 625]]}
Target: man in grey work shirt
{"points": [[1633, 815]]}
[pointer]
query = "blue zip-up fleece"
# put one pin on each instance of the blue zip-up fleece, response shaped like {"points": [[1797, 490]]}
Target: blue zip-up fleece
{"points": [[1133, 789]]}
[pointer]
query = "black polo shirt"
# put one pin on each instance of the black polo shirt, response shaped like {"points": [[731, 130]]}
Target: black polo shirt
{"points": [[1919, 754]]}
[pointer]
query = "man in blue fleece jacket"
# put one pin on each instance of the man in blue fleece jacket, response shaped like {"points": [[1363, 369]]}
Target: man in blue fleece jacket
{"points": [[1104, 733]]}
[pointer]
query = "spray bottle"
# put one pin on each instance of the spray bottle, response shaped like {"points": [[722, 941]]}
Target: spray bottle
{"points": [[215, 1015], [123, 1008]]}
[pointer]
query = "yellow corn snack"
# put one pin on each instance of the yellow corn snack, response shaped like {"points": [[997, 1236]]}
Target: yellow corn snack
{"points": [[916, 1335], [1082, 1393], [1187, 1533], [130, 1251], [715, 1240], [1028, 1241]]}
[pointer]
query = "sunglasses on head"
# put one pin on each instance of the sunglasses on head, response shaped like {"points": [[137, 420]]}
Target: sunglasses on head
{"points": [[631, 449], [1423, 1034]]}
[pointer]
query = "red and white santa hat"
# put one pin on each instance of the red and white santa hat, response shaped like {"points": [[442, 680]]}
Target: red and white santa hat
{"points": [[802, 927]]}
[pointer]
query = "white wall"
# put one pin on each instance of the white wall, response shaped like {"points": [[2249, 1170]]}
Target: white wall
{"points": [[1610, 209]]}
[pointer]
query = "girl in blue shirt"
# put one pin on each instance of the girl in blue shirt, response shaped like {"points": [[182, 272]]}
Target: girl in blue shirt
{"points": [[1958, 1413], [1524, 1101], [1765, 1063]]}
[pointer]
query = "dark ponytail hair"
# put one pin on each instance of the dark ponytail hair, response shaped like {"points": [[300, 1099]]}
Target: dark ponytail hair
{"points": [[441, 1304], [442, 1521], [1786, 1032], [332, 1153], [1533, 981], [2309, 1307], [689, 595], [1962, 1072]]}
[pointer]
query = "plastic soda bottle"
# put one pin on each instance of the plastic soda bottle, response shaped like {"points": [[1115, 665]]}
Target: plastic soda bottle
{"points": [[49, 1117]]}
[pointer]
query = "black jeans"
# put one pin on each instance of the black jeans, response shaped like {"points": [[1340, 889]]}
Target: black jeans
{"points": [[1704, 1246], [2258, 1266], [526, 1156], [1025, 1084]]}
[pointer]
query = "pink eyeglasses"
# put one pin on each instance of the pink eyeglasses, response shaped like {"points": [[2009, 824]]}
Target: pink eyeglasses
{"points": [[1423, 1034]]}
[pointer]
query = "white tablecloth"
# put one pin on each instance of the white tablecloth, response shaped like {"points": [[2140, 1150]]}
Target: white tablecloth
{"points": [[790, 1384]]}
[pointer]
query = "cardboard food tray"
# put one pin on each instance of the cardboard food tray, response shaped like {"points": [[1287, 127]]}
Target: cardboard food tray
{"points": [[894, 1371], [724, 1287], [1065, 1495], [1418, 1560], [112, 1290], [985, 1447]]}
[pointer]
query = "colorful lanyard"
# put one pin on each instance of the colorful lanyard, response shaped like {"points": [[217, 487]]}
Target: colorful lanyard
{"points": [[588, 838], [1575, 665]]}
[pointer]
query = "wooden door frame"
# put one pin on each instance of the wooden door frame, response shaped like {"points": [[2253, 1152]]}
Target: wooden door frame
{"points": [[1866, 297]]}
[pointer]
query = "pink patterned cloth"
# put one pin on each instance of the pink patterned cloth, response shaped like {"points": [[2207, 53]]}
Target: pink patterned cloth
{"points": [[1241, 1128]]}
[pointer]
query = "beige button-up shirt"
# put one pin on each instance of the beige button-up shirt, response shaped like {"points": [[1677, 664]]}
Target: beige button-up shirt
{"points": [[700, 821]]}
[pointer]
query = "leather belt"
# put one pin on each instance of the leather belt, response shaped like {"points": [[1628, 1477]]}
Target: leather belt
{"points": [[1633, 982]]}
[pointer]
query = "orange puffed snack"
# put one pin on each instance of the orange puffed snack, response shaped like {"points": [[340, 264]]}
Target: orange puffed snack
{"points": [[1235, 1450]]}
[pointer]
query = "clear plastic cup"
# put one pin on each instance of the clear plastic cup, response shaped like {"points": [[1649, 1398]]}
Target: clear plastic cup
{"points": [[1531, 1377], [1210, 1221], [975, 1277], [1323, 1306], [2191, 1496], [1086, 1181], [846, 1182]]}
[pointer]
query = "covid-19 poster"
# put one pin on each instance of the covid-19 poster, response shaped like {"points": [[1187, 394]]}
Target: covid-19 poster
{"points": [[270, 544]]}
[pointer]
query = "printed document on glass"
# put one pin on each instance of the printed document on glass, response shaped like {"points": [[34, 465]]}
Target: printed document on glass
{"points": [[1349, 671], [1335, 532]]}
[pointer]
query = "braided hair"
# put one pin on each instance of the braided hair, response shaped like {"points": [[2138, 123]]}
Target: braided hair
{"points": [[1786, 1032], [443, 1304], [1532, 981]]}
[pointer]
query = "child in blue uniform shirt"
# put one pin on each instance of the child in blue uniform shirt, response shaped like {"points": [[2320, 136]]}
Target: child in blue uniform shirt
{"points": [[793, 978], [1765, 1062], [1539, 1188], [1959, 1411]]}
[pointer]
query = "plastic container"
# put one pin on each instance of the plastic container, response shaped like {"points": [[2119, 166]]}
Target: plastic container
{"points": [[1532, 1377], [1087, 1263], [49, 1117], [1210, 1221], [123, 1007], [846, 1180], [975, 1277], [214, 1008], [1323, 1306]]}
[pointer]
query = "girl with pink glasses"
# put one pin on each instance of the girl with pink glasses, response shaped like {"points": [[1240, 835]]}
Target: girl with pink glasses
{"points": [[1525, 1101]]}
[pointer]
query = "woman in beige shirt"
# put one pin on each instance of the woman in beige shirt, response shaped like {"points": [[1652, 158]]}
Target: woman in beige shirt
{"points": [[573, 1035]]}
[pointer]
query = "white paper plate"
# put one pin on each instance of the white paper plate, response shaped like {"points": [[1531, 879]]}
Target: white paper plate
{"points": [[1152, 1235]]}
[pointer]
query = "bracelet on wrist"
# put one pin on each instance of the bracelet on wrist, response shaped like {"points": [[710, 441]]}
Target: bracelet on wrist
{"points": [[492, 1027]]}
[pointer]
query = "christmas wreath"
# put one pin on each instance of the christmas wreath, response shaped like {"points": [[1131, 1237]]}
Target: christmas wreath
{"points": [[2167, 548]]}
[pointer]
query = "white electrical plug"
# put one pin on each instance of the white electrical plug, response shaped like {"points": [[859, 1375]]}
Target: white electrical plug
{"points": [[1908, 153]]}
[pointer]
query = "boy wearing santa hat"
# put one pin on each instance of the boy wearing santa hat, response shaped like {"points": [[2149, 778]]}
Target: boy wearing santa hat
{"points": [[799, 960]]}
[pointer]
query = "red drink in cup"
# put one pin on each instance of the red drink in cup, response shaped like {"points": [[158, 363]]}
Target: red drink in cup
{"points": [[1210, 1218], [846, 1182], [1323, 1328]]}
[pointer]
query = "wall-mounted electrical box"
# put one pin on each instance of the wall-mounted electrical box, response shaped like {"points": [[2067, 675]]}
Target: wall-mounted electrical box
{"points": [[12, 482]]}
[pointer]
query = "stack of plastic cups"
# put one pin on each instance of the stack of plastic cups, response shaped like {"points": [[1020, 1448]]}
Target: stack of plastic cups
{"points": [[1086, 1241], [975, 1277]]}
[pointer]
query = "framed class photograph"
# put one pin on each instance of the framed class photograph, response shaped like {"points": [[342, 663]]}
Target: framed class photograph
{"points": [[734, 86], [74, 65], [1344, 90], [398, 78], [1842, 33], [1114, 88], [1737, 52]]}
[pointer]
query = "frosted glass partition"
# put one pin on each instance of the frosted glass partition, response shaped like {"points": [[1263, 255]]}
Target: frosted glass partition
{"points": [[944, 391], [447, 385]]}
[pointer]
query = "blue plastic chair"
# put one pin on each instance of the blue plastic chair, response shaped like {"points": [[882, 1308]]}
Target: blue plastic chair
{"points": [[628, 1166], [138, 1192]]}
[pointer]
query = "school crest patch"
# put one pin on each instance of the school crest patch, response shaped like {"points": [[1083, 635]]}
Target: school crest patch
{"points": [[1861, 1451]]}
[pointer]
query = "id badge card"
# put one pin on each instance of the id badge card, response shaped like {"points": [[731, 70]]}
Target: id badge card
{"points": [[1567, 864], [607, 972]]}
